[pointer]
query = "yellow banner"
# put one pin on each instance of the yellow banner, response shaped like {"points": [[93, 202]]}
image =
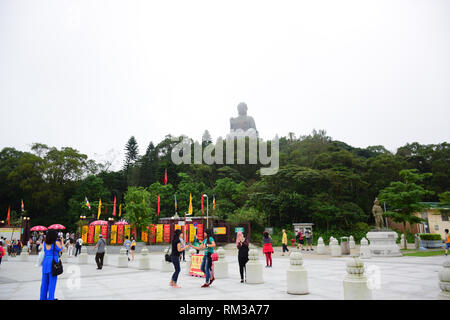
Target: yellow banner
{"points": [[220, 230], [196, 262], [113, 234], [191, 233], [159, 233], [127, 231], [177, 227], [84, 233], [97, 232], [144, 234]]}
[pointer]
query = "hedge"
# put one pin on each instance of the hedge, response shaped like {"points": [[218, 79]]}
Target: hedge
{"points": [[430, 236]]}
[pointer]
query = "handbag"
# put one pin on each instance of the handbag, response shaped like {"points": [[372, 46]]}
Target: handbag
{"points": [[57, 267], [168, 258], [214, 257], [40, 258]]}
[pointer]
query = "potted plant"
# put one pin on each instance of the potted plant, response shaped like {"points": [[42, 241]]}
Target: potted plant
{"points": [[431, 240]]}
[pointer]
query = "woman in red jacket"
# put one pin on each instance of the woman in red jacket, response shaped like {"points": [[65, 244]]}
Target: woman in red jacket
{"points": [[267, 249]]}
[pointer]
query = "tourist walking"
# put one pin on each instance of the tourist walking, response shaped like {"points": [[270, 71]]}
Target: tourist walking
{"points": [[267, 249], [242, 245], [78, 245], [71, 244], [132, 248], [284, 242], [127, 245], [196, 243], [447, 241], [308, 237], [207, 267], [177, 248], [52, 248], [101, 244], [299, 236], [2, 251]]}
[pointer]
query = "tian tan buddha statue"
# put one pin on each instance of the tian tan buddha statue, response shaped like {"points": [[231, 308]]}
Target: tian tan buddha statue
{"points": [[243, 125]]}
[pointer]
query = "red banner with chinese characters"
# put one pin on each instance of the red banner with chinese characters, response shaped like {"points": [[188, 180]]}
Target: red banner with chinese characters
{"points": [[105, 231], [91, 234], [152, 233], [200, 232], [120, 233], [167, 233]]}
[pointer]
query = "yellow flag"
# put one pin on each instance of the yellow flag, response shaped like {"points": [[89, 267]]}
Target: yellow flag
{"points": [[99, 208], [120, 210], [190, 204]]}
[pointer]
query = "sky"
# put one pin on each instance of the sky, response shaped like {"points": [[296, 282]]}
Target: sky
{"points": [[91, 73]]}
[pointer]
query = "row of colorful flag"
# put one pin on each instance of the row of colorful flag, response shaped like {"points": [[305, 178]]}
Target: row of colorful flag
{"points": [[190, 209], [8, 217]]}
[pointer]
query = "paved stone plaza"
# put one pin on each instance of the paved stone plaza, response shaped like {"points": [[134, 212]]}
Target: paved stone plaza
{"points": [[393, 278]]}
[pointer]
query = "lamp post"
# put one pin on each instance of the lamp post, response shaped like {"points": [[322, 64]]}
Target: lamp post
{"points": [[207, 207], [25, 235], [81, 219]]}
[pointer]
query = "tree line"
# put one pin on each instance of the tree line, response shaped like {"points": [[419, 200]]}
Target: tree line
{"points": [[320, 180]]}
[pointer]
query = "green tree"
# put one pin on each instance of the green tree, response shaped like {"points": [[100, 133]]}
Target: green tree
{"points": [[138, 209], [404, 198]]}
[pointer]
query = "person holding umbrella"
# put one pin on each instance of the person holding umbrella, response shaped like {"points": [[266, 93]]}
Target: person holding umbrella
{"points": [[52, 248]]}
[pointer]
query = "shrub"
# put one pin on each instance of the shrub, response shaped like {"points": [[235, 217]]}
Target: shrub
{"points": [[429, 236]]}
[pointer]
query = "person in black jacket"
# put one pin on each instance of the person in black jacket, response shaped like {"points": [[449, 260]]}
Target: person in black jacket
{"points": [[242, 245], [175, 257]]}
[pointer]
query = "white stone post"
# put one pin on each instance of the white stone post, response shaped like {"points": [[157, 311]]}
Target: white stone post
{"points": [[254, 268], [144, 260], [221, 265], [320, 246], [166, 266], [83, 256], [444, 281], [355, 282], [64, 256], [351, 242], [24, 254], [123, 259], [335, 249], [189, 260], [364, 250], [296, 275], [105, 257]]}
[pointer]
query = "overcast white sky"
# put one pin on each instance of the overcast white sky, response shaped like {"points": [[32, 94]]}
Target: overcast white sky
{"points": [[89, 74]]}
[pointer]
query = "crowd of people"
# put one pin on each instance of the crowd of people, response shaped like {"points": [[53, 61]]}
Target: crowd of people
{"points": [[51, 244]]}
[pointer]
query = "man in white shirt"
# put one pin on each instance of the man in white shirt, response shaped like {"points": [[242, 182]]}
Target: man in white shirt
{"points": [[78, 245]]}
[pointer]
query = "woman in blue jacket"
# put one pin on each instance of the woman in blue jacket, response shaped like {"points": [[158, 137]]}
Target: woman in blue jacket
{"points": [[52, 248]]}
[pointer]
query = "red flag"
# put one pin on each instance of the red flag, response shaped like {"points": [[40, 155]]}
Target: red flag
{"points": [[114, 209], [202, 205], [165, 176], [9, 213], [158, 204]]}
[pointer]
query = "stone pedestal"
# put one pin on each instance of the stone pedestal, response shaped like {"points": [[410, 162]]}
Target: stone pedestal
{"points": [[383, 243], [24, 254], [64, 257], [335, 249], [144, 260], [254, 269], [166, 266], [106, 257], [296, 275], [355, 282], [351, 242], [123, 259], [83, 256], [364, 251], [321, 246], [189, 260], [221, 265], [345, 246], [444, 281]]}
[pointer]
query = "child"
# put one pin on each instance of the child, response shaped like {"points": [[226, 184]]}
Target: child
{"points": [[447, 241]]}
